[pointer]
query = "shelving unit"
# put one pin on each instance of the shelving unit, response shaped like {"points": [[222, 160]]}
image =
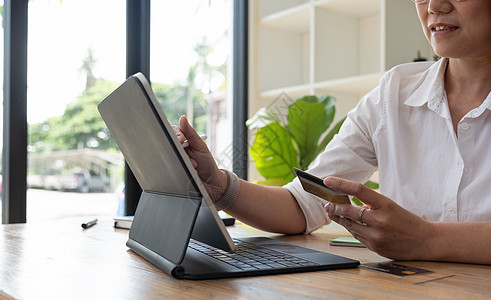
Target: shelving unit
{"points": [[335, 47]]}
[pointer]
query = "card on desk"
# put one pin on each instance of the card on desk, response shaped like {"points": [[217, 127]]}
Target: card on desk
{"points": [[395, 269], [345, 241]]}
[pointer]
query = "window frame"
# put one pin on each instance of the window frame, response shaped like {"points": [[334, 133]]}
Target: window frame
{"points": [[15, 132], [14, 154]]}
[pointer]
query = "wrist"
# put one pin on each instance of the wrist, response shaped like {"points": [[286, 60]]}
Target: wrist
{"points": [[432, 247], [230, 193], [218, 181]]}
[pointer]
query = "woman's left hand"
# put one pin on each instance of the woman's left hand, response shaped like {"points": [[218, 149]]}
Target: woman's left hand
{"points": [[381, 224]]}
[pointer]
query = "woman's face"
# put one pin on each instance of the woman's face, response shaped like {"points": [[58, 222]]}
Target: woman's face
{"points": [[457, 29]]}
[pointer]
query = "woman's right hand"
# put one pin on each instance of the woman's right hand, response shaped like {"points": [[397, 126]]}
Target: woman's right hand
{"points": [[213, 178]]}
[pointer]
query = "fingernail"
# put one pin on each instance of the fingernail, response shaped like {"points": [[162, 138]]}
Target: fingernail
{"points": [[329, 207], [327, 181]]}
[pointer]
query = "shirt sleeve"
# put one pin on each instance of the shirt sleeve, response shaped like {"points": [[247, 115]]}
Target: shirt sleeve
{"points": [[349, 155]]}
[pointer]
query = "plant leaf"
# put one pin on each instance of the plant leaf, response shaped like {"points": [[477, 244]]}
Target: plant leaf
{"points": [[371, 184], [273, 152], [330, 106], [356, 201], [262, 118], [334, 130], [308, 118], [272, 182]]}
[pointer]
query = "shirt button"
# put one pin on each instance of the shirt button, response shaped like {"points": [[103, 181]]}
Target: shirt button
{"points": [[464, 126], [450, 208], [465, 171]]}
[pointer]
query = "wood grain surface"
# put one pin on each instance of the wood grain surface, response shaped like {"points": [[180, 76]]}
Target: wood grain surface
{"points": [[60, 260]]}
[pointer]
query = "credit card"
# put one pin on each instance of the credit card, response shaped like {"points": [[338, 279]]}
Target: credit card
{"points": [[395, 269], [314, 185]]}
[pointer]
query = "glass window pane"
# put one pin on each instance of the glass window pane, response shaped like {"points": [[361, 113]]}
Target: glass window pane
{"points": [[191, 49], [76, 57]]}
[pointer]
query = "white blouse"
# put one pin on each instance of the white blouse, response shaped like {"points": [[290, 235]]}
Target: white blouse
{"points": [[403, 129]]}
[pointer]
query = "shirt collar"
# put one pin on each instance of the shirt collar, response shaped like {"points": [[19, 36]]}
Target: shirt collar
{"points": [[476, 112], [429, 88], [487, 102]]}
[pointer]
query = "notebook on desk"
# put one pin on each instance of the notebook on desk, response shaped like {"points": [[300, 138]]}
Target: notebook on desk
{"points": [[176, 226]]}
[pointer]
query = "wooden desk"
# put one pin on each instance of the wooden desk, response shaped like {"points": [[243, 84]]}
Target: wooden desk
{"points": [[62, 261]]}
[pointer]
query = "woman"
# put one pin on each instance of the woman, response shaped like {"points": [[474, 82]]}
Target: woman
{"points": [[426, 128]]}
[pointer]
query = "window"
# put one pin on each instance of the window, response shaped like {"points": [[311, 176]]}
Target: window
{"points": [[76, 56], [191, 50]]}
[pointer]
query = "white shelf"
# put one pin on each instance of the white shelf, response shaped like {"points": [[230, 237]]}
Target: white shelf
{"points": [[295, 19], [350, 85], [292, 91], [328, 47], [354, 8], [301, 45]]}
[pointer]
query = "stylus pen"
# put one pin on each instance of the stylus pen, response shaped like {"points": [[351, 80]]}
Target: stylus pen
{"points": [[202, 136], [89, 224]]}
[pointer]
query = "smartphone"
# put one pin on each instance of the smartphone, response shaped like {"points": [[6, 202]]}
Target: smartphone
{"points": [[315, 186]]}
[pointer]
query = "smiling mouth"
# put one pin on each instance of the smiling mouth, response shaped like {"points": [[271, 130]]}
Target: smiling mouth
{"points": [[443, 28]]}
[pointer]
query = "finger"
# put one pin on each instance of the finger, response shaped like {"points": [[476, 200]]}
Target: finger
{"points": [[180, 136], [360, 238], [344, 210], [357, 230], [191, 135], [194, 163], [365, 194], [350, 212]]}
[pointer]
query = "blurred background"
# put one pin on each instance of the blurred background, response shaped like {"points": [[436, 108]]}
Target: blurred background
{"points": [[76, 57]]}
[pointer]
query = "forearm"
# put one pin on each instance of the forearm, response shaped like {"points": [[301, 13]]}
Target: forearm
{"points": [[466, 242], [268, 208]]}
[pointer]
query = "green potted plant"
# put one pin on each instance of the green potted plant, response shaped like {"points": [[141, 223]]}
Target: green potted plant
{"points": [[278, 147]]}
